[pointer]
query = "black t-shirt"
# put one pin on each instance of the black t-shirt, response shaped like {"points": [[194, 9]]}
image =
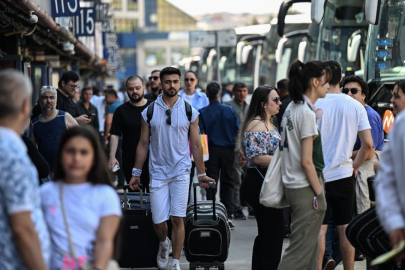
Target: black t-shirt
{"points": [[66, 104], [127, 123]]}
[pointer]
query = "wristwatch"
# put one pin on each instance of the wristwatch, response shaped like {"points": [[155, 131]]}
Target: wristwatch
{"points": [[201, 175]]}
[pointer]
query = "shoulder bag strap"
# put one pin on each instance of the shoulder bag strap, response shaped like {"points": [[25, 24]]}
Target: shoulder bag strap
{"points": [[257, 169], [62, 206]]}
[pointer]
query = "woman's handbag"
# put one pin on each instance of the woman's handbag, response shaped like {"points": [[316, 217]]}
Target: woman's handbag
{"points": [[272, 192], [112, 265]]}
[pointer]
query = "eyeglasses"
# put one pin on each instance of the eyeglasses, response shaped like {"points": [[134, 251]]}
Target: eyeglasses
{"points": [[353, 90], [169, 117], [277, 99], [73, 86], [154, 78], [189, 79]]}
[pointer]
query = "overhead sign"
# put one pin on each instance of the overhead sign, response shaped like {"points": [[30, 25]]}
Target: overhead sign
{"points": [[108, 25], [388, 121], [225, 38], [111, 40], [65, 8], [101, 12], [85, 22]]}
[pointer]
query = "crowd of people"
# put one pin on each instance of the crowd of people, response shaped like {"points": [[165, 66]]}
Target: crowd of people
{"points": [[59, 207]]}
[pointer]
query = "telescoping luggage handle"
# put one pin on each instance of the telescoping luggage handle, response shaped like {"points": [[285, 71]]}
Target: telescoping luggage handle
{"points": [[195, 185], [126, 188]]}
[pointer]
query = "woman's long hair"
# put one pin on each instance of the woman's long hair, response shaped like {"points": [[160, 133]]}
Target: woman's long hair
{"points": [[259, 98], [99, 173], [401, 85], [301, 75]]}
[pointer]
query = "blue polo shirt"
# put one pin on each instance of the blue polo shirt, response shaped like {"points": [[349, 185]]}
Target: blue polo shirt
{"points": [[377, 130], [220, 123], [200, 99]]}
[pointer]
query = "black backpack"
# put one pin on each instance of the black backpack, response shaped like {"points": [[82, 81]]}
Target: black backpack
{"points": [[149, 113]]}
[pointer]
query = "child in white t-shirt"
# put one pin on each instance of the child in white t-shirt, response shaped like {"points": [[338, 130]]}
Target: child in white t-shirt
{"points": [[81, 202]]}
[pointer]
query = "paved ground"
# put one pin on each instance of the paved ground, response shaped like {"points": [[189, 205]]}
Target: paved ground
{"points": [[240, 253], [241, 248]]}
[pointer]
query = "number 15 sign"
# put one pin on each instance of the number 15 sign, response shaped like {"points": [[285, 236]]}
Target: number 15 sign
{"points": [[84, 22]]}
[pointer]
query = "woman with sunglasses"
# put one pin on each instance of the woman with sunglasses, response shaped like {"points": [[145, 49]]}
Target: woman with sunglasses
{"points": [[81, 208], [302, 163], [258, 139], [196, 98]]}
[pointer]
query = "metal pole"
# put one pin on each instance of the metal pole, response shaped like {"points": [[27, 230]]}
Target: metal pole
{"points": [[218, 56]]}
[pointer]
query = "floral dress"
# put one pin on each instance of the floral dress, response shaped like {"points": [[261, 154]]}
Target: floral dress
{"points": [[257, 143]]}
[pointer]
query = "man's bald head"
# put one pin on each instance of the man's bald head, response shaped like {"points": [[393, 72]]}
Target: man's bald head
{"points": [[15, 89]]}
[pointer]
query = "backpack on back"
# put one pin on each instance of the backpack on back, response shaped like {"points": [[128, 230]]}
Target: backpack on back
{"points": [[149, 113]]}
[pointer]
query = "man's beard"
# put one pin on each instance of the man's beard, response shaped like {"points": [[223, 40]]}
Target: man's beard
{"points": [[47, 109], [155, 89], [136, 100], [169, 94]]}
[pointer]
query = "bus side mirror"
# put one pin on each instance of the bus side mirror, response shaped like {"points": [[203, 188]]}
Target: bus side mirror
{"points": [[282, 13], [245, 53], [372, 11], [280, 49], [353, 45], [302, 47], [317, 11]]}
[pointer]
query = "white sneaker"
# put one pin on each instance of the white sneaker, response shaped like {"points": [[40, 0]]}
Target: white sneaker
{"points": [[171, 249], [175, 267], [163, 257]]}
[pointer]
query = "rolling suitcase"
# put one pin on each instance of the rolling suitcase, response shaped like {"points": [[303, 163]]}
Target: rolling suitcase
{"points": [[139, 243], [207, 234]]}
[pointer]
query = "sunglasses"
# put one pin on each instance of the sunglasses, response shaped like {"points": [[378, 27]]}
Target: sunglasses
{"points": [[155, 78], [191, 79], [169, 117], [277, 99], [352, 90]]}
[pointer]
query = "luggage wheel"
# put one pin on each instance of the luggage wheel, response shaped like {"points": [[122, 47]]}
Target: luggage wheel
{"points": [[206, 266]]}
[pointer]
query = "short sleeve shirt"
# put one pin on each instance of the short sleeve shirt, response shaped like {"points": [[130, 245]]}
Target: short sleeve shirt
{"points": [[343, 117], [19, 192], [127, 123], [299, 122], [65, 104], [377, 131], [85, 204], [169, 154], [112, 107]]}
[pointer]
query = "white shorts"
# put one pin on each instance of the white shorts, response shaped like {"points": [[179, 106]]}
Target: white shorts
{"points": [[169, 197]]}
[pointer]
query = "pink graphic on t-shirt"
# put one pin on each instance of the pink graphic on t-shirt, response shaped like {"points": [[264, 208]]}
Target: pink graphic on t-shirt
{"points": [[52, 210], [69, 263]]}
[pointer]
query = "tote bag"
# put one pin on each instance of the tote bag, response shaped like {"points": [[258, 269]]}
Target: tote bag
{"points": [[272, 192]]}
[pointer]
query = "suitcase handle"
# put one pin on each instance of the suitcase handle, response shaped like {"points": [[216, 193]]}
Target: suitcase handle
{"points": [[195, 185], [126, 188]]}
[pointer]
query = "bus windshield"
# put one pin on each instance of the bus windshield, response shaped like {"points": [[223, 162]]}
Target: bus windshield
{"points": [[386, 49], [342, 20], [268, 64]]}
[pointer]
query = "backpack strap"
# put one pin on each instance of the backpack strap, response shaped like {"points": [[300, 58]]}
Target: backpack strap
{"points": [[149, 112], [189, 110]]}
